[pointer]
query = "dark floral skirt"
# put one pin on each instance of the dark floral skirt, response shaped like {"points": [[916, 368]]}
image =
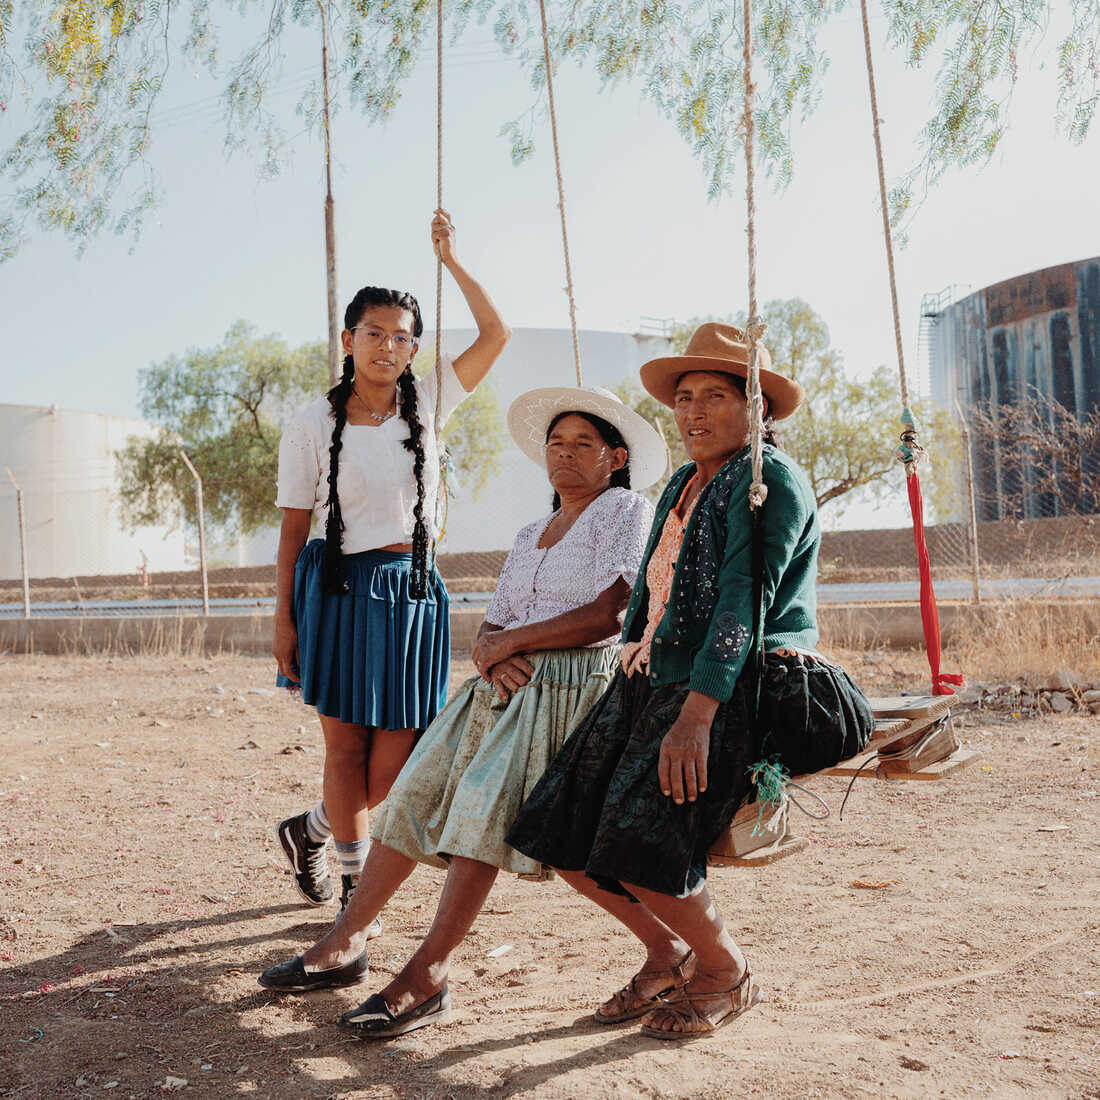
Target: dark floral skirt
{"points": [[599, 808]]}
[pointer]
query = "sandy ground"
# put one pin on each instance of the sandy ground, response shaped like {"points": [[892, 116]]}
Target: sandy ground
{"points": [[143, 890]]}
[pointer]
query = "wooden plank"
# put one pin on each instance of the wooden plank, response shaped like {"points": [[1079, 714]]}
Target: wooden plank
{"points": [[960, 758], [899, 731], [787, 847], [929, 747], [910, 706], [886, 726]]}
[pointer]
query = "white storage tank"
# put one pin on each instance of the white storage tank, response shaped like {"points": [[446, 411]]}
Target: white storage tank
{"points": [[64, 462], [520, 493]]}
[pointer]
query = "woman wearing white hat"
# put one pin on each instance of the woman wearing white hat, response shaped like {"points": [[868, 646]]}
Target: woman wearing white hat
{"points": [[545, 653], [656, 770]]}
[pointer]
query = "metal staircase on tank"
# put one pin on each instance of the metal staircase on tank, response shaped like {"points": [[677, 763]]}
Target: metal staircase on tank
{"points": [[931, 309]]}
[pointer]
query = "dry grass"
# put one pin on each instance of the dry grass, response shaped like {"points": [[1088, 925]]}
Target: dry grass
{"points": [[162, 636], [1028, 639], [1024, 640]]}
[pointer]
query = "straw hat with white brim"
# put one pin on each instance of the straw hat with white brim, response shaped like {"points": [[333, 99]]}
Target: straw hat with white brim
{"points": [[530, 414], [723, 348]]}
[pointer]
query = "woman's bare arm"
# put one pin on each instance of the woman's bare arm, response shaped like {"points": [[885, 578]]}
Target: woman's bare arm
{"points": [[292, 537], [591, 622], [492, 333]]}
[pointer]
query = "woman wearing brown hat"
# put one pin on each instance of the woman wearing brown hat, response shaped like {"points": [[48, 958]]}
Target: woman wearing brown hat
{"points": [[655, 772]]}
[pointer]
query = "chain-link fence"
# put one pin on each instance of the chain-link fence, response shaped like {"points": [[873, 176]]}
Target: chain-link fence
{"points": [[1048, 556], [1027, 510]]}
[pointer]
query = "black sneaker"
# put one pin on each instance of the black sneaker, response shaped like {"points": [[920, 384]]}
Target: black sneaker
{"points": [[308, 860], [347, 885]]}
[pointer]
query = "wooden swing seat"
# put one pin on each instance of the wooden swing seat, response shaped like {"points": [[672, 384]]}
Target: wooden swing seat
{"points": [[912, 739]]}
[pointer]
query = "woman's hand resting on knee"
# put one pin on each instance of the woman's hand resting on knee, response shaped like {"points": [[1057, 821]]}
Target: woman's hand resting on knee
{"points": [[682, 765]]}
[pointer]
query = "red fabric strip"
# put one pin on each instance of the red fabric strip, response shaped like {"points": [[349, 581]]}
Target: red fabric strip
{"points": [[930, 616]]}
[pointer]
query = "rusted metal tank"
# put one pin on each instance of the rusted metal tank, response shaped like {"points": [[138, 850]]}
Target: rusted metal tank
{"points": [[1031, 339]]}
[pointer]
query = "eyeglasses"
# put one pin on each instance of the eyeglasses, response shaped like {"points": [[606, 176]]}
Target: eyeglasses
{"points": [[375, 337]]}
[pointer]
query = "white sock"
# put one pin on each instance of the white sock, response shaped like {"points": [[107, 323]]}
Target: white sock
{"points": [[352, 854], [317, 827]]}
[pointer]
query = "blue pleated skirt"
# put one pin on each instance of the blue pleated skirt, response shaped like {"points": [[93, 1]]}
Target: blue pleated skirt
{"points": [[372, 654]]}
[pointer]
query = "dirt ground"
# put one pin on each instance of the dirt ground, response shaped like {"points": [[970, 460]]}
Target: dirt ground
{"points": [[143, 890]]}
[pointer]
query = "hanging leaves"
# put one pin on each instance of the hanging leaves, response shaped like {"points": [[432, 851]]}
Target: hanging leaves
{"points": [[85, 76]]}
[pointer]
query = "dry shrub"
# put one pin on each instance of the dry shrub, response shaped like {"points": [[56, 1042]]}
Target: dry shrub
{"points": [[1028, 639], [155, 637], [161, 637], [1025, 639]]}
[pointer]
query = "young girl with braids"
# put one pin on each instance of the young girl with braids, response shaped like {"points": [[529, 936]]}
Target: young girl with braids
{"points": [[361, 616]]}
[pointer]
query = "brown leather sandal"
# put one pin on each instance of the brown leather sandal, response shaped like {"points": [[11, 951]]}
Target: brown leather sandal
{"points": [[628, 1004], [693, 1023]]}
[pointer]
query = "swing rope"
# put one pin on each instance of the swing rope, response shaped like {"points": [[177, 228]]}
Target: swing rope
{"points": [[909, 451], [755, 327], [769, 777], [887, 234], [439, 206], [561, 193]]}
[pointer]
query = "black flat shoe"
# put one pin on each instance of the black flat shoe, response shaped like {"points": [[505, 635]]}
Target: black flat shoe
{"points": [[292, 976], [374, 1020]]}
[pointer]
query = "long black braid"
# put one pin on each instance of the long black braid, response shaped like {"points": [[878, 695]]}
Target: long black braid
{"points": [[410, 413], [335, 580], [620, 478], [338, 396]]}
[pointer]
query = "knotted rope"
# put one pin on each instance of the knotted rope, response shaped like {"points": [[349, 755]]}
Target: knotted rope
{"points": [[561, 192], [439, 206], [755, 327], [909, 450], [886, 231], [769, 776]]}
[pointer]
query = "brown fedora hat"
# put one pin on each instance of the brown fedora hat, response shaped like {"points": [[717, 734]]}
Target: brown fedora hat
{"points": [[722, 348]]}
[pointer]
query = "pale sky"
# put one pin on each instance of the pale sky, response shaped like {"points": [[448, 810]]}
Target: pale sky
{"points": [[224, 245]]}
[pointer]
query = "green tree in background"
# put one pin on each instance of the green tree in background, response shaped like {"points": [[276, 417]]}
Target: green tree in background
{"points": [[86, 77], [226, 406], [844, 434]]}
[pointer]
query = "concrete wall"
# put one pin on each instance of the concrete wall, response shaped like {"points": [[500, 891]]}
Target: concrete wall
{"points": [[64, 463], [896, 626]]}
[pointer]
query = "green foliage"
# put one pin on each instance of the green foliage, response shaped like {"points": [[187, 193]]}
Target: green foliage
{"points": [[89, 73], [844, 434], [686, 58], [226, 407], [978, 42]]}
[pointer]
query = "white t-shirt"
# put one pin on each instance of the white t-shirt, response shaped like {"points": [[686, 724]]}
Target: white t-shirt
{"points": [[606, 541], [376, 484]]}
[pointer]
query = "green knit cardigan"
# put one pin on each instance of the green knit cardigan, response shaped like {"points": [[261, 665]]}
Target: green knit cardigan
{"points": [[705, 635]]}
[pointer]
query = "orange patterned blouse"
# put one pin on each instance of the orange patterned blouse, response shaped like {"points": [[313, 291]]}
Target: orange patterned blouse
{"points": [[658, 579]]}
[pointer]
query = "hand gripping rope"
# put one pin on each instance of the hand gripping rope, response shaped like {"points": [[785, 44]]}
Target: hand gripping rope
{"points": [[447, 483]]}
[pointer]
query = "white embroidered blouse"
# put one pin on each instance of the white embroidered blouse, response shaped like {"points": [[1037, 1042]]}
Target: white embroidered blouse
{"points": [[376, 484], [607, 541]]}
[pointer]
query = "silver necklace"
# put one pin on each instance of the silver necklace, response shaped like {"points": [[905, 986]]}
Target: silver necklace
{"points": [[378, 419]]}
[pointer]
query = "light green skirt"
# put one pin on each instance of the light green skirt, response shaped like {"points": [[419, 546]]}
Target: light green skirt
{"points": [[475, 765]]}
